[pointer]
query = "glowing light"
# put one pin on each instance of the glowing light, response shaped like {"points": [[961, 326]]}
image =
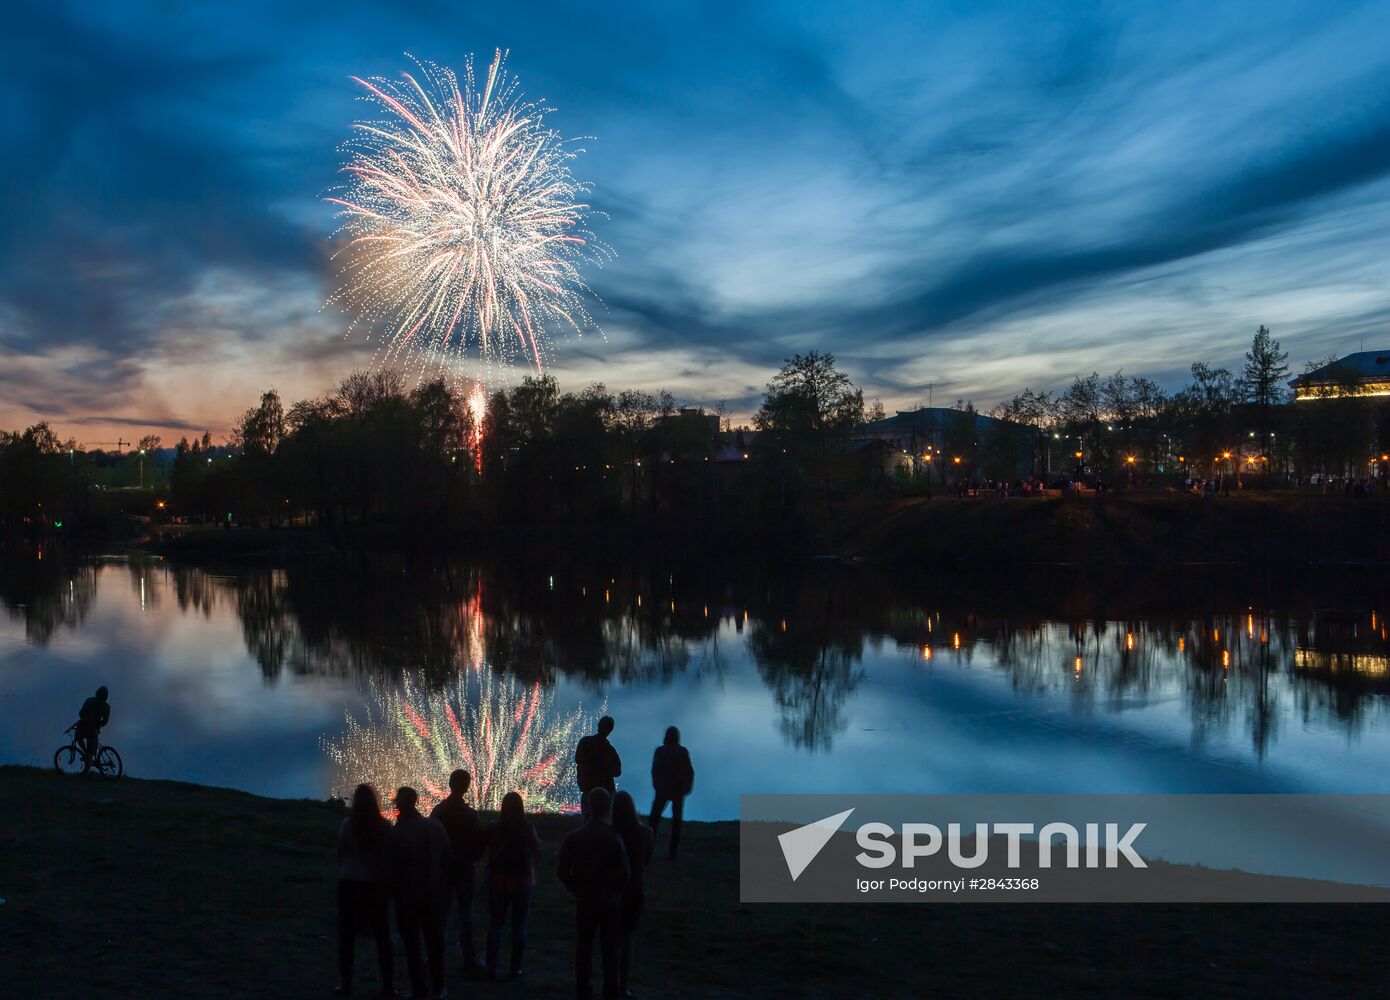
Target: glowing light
{"points": [[477, 409], [926, 652], [955, 640], [461, 225], [507, 735]]}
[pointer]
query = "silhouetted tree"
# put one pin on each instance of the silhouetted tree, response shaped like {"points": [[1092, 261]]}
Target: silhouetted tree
{"points": [[1261, 383], [808, 413]]}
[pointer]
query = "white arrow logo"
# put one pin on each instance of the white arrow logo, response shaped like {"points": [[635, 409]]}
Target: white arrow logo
{"points": [[800, 846]]}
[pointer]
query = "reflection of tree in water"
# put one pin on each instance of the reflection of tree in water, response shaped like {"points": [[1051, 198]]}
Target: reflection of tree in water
{"points": [[808, 658], [47, 588], [378, 617], [1243, 669], [386, 615], [195, 589], [145, 579]]}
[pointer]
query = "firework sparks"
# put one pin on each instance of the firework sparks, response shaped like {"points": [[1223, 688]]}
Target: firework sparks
{"points": [[506, 735], [477, 409], [462, 222]]}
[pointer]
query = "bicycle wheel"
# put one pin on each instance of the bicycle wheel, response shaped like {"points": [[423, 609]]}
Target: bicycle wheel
{"points": [[68, 759], [109, 763]]}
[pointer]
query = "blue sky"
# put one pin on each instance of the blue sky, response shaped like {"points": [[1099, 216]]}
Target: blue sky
{"points": [[973, 196]]}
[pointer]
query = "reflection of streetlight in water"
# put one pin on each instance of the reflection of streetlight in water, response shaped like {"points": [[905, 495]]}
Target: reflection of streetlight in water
{"points": [[507, 735]]}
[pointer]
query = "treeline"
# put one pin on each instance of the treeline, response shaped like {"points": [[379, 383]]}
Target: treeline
{"points": [[1222, 423], [376, 451]]}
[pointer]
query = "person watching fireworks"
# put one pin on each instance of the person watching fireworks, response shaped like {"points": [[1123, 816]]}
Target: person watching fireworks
{"points": [[596, 762]]}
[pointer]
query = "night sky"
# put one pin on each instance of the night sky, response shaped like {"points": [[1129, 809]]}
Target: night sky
{"points": [[977, 196]]}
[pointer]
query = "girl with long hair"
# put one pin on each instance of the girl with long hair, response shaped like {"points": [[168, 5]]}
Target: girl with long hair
{"points": [[512, 849], [363, 889]]}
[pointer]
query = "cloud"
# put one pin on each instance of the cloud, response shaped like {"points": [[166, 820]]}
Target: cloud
{"points": [[985, 198]]}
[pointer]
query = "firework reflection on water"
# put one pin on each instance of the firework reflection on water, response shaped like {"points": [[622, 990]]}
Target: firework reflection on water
{"points": [[508, 736]]}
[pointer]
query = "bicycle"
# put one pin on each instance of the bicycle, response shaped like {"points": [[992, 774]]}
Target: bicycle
{"points": [[73, 759]]}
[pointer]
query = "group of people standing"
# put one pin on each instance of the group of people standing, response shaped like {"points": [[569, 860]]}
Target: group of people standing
{"points": [[426, 864]]}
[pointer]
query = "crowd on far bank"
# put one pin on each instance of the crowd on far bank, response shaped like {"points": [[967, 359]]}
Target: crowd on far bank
{"points": [[426, 866]]}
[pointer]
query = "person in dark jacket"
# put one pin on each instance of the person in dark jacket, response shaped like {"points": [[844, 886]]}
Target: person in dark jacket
{"points": [[423, 858], [673, 778], [94, 714], [364, 843], [637, 842], [596, 763], [466, 836], [512, 849], [594, 868]]}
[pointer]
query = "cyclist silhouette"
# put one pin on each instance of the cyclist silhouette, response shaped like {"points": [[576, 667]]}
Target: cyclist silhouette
{"points": [[95, 714]]}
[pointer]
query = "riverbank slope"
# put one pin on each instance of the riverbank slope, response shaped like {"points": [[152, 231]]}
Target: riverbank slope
{"points": [[154, 888], [1252, 529], [1145, 529]]}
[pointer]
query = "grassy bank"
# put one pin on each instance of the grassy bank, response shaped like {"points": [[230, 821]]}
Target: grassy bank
{"points": [[145, 888], [1151, 529], [1130, 529]]}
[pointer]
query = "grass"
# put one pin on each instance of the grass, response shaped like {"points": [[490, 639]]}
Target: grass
{"points": [[1147, 529], [154, 889]]}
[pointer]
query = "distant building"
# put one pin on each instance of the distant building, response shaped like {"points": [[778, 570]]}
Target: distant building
{"points": [[920, 430], [923, 437], [1368, 372], [709, 421]]}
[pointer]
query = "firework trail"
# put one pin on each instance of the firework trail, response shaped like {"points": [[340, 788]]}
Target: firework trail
{"points": [[477, 409], [461, 221], [507, 735]]}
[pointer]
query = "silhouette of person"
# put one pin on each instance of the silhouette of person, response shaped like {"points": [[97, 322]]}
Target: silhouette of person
{"points": [[364, 844], [512, 848], [594, 868], [94, 714], [423, 857], [466, 835], [596, 762], [637, 840], [673, 778]]}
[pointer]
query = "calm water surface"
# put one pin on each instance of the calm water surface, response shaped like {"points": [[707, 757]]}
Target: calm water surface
{"points": [[300, 680]]}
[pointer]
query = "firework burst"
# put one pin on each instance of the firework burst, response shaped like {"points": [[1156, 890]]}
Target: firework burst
{"points": [[507, 735], [462, 225]]}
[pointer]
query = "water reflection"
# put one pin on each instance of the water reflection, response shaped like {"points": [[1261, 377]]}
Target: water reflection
{"points": [[1184, 675], [46, 593], [508, 735]]}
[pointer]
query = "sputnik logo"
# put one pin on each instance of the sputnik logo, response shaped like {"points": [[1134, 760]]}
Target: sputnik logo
{"points": [[800, 846]]}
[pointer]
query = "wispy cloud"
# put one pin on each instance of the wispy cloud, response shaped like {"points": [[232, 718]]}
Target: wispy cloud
{"points": [[978, 199]]}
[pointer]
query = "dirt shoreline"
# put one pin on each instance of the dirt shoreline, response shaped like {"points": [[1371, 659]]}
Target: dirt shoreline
{"points": [[155, 888]]}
